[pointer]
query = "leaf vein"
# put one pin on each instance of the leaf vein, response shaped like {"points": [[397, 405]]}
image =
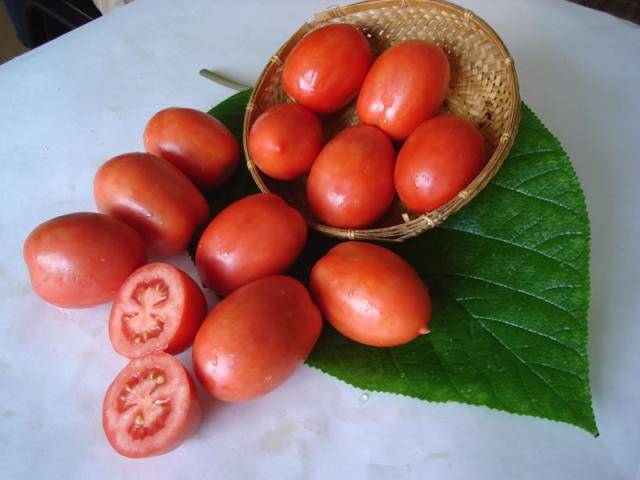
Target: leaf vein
{"points": [[513, 289], [511, 243], [530, 330], [530, 195], [531, 369]]}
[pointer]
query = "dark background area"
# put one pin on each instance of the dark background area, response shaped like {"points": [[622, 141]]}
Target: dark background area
{"points": [[26, 24]]}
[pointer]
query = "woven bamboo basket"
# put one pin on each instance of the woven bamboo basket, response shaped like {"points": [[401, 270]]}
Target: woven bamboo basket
{"points": [[483, 87]]}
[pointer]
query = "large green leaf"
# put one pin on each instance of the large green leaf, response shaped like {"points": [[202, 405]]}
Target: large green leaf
{"points": [[509, 278]]}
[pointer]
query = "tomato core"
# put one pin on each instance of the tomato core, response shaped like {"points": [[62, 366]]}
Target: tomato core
{"points": [[143, 401], [146, 322]]}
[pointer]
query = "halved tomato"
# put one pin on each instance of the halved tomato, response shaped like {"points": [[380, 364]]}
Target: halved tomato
{"points": [[158, 308], [151, 407]]}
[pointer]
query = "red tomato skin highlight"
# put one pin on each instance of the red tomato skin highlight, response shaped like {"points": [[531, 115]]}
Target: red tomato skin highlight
{"points": [[285, 140], [351, 182], [371, 295], [80, 260], [201, 146], [257, 236], [325, 70], [255, 338], [440, 158], [154, 197], [406, 85], [179, 324]]}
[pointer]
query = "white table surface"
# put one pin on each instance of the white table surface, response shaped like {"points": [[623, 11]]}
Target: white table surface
{"points": [[68, 106]]}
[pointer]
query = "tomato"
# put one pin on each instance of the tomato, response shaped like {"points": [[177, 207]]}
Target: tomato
{"points": [[371, 295], [406, 85], [158, 308], [285, 140], [256, 236], [201, 146], [255, 338], [351, 181], [151, 407], [325, 69], [152, 196], [81, 259], [440, 158]]}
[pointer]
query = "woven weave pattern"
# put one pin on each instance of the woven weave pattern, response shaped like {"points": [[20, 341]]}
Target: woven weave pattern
{"points": [[483, 88]]}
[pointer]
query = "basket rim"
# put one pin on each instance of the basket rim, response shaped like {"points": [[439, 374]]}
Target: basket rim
{"points": [[427, 220]]}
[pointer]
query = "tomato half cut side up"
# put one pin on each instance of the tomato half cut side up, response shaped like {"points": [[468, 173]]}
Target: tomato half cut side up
{"points": [[158, 308], [151, 407]]}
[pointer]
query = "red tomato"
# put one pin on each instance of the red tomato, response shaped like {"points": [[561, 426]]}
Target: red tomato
{"points": [[351, 181], [440, 158], [81, 259], [406, 85], [158, 308], [285, 140], [325, 69], [256, 236], [371, 295], [151, 407], [255, 338], [198, 144], [152, 196]]}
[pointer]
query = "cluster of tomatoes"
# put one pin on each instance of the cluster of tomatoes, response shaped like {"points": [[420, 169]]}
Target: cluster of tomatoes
{"points": [[268, 323], [352, 180]]}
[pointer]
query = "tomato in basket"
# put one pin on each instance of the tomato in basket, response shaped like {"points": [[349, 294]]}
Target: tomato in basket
{"points": [[351, 182], [406, 85], [439, 159], [325, 70], [285, 140]]}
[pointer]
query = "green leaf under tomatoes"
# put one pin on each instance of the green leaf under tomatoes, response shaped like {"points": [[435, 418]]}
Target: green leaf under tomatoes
{"points": [[509, 279]]}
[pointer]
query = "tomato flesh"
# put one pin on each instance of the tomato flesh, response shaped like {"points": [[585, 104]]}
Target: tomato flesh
{"points": [[151, 407], [159, 307]]}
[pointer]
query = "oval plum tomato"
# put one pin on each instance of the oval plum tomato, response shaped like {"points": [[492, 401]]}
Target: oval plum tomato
{"points": [[81, 259], [285, 140], [325, 69], [151, 407], [158, 308], [371, 295], [440, 158], [201, 146], [406, 85], [255, 338], [351, 182], [256, 236], [152, 196]]}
